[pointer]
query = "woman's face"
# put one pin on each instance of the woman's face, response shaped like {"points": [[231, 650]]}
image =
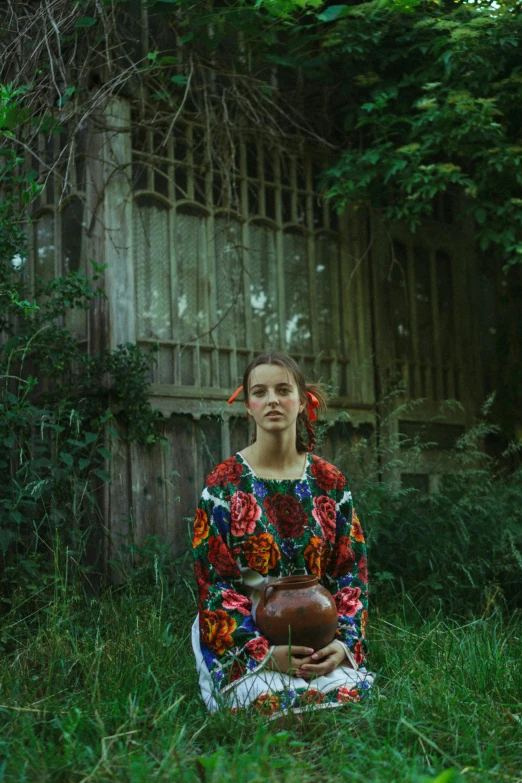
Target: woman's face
{"points": [[273, 397]]}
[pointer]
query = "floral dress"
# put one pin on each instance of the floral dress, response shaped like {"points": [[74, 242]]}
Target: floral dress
{"points": [[250, 531]]}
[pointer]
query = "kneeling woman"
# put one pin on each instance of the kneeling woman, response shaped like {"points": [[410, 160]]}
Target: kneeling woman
{"points": [[274, 510]]}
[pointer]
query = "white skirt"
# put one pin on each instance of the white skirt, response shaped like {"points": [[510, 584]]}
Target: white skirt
{"points": [[242, 693]]}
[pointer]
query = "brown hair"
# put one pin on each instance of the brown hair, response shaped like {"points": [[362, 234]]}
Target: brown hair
{"points": [[305, 434]]}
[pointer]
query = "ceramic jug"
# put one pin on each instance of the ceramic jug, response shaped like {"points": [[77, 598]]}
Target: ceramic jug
{"points": [[297, 609]]}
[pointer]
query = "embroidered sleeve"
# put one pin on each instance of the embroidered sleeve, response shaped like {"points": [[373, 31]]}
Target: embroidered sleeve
{"points": [[231, 644], [347, 577]]}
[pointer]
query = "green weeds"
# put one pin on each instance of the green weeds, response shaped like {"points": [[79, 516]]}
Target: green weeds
{"points": [[104, 689]]}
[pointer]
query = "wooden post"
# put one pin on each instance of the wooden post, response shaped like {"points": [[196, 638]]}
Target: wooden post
{"points": [[117, 160], [97, 323], [109, 241]]}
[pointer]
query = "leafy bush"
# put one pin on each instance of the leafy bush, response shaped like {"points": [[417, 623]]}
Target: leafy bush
{"points": [[459, 548], [418, 127], [57, 403]]}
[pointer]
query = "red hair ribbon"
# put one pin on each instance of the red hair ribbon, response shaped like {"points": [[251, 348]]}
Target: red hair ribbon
{"points": [[233, 397], [313, 403]]}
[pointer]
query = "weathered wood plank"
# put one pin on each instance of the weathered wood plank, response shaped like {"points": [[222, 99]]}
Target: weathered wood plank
{"points": [[117, 225], [182, 489], [148, 502], [98, 316], [239, 433], [119, 505]]}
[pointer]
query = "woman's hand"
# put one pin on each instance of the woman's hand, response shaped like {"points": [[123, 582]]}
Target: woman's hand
{"points": [[288, 660], [323, 661]]}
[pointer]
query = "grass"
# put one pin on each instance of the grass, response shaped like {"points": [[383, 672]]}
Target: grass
{"points": [[105, 690]]}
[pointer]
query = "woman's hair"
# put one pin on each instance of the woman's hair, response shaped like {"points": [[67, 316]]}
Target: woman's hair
{"points": [[305, 435]]}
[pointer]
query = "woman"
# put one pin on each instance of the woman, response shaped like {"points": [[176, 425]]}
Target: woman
{"points": [[273, 510]]}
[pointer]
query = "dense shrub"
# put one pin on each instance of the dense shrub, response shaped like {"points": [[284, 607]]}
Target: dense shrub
{"points": [[459, 548], [57, 402]]}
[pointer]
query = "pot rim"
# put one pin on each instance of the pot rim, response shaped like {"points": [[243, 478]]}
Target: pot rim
{"points": [[296, 582]]}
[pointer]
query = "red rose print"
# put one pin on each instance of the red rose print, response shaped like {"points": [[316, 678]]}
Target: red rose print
{"points": [[262, 553], [363, 570], [356, 531], [257, 648], [202, 580], [286, 514], [216, 630], [348, 694], [347, 601], [220, 557], [343, 557], [327, 476], [324, 513], [358, 653], [244, 513], [228, 472], [233, 600]]}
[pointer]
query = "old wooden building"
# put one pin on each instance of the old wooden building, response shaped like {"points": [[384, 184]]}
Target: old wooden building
{"points": [[217, 264]]}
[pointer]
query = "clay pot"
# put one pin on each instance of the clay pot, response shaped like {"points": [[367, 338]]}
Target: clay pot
{"points": [[297, 609]]}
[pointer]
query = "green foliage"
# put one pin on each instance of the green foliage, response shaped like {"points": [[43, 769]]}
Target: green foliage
{"points": [[431, 102], [17, 191], [60, 407], [458, 548]]}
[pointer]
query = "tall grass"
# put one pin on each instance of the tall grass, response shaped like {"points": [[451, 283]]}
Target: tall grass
{"points": [[104, 689]]}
